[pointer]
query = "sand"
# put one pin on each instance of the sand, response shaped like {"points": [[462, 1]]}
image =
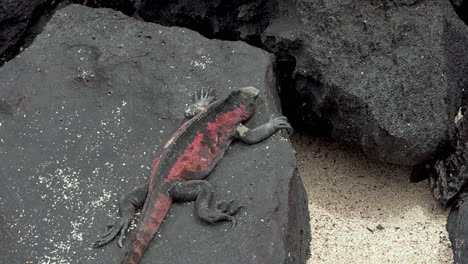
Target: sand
{"points": [[366, 211]]}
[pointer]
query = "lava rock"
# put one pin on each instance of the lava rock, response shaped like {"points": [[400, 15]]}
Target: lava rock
{"points": [[449, 175], [86, 108], [234, 19], [457, 2], [461, 7], [387, 75], [458, 233], [125, 6], [18, 23]]}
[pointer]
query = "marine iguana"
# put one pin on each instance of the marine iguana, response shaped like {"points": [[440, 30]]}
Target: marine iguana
{"points": [[186, 159]]}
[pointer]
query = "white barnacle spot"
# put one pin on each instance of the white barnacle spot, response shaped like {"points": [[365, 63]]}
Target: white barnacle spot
{"points": [[198, 64], [207, 59], [76, 234], [241, 129], [101, 200], [202, 62]]}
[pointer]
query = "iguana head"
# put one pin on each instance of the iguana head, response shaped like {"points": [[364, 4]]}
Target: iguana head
{"points": [[244, 98], [244, 95], [250, 92]]}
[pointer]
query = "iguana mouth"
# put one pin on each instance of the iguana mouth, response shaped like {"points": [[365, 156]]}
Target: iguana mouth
{"points": [[250, 91]]}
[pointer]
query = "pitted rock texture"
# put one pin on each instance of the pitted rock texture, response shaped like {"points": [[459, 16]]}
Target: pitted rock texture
{"points": [[86, 108], [449, 182], [238, 19], [386, 75], [457, 2], [125, 6], [461, 7], [458, 232], [449, 176], [20, 22]]}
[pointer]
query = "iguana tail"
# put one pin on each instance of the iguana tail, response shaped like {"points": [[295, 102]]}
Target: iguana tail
{"points": [[154, 213]]}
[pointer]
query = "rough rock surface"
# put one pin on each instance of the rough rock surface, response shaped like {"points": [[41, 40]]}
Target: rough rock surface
{"points": [[457, 2], [458, 232], [125, 6], [449, 183], [18, 20], [386, 75], [449, 176], [461, 7], [83, 112], [237, 19]]}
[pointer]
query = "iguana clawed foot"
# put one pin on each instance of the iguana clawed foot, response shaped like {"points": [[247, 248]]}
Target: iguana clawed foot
{"points": [[118, 228], [206, 96], [279, 122], [223, 211], [201, 100]]}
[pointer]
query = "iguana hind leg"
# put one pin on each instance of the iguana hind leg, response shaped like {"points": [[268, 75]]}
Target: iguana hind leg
{"points": [[202, 193], [128, 204]]}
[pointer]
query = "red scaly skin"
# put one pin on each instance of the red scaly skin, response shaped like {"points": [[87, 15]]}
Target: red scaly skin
{"points": [[199, 157]]}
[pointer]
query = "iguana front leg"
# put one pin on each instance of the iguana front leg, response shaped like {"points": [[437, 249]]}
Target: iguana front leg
{"points": [[252, 136], [201, 101], [128, 204]]}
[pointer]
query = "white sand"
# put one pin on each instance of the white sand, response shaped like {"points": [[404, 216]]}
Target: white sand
{"points": [[350, 195]]}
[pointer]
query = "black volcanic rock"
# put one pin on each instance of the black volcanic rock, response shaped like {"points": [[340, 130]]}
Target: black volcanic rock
{"points": [[386, 75], [449, 176], [458, 233], [20, 22], [461, 7], [235, 19], [125, 6], [457, 2], [86, 108], [449, 183]]}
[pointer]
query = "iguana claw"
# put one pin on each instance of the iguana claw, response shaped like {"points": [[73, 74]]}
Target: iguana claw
{"points": [[233, 221], [200, 101], [118, 228], [280, 122]]}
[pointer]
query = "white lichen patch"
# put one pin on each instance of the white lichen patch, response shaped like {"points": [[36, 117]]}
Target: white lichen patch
{"points": [[67, 181], [102, 200], [202, 62], [63, 192]]}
